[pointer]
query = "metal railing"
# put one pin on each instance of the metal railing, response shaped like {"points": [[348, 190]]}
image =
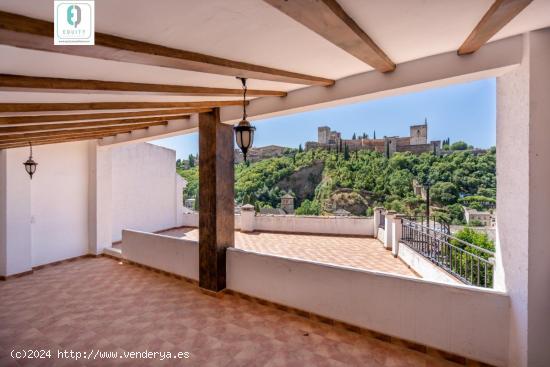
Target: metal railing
{"points": [[469, 263], [382, 223], [433, 222]]}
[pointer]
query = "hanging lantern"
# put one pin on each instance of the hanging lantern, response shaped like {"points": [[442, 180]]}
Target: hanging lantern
{"points": [[30, 164], [244, 132]]}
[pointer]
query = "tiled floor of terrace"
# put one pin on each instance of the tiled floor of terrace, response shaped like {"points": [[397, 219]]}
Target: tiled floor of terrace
{"points": [[98, 304], [358, 252]]}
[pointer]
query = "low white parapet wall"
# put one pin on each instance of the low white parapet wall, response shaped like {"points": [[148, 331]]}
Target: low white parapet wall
{"points": [[354, 226], [381, 234], [424, 267], [190, 220], [171, 254], [467, 321]]}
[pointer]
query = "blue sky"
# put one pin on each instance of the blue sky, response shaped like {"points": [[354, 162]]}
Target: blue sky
{"points": [[461, 112]]}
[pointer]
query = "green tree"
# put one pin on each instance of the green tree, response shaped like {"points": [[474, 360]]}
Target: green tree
{"points": [[309, 208], [353, 137], [459, 145], [472, 236], [192, 177], [346, 152], [444, 193], [300, 150], [191, 161]]}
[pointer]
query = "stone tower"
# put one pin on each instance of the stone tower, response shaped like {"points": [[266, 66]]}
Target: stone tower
{"points": [[419, 134], [287, 203], [390, 146], [323, 134]]}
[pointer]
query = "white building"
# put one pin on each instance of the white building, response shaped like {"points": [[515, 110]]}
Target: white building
{"points": [[486, 218]]}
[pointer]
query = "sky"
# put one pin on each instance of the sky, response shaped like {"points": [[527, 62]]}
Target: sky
{"points": [[460, 112]]}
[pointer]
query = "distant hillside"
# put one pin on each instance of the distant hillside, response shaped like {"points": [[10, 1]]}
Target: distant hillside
{"points": [[323, 181]]}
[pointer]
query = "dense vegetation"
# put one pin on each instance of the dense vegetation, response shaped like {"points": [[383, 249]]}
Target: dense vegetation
{"points": [[457, 178]]}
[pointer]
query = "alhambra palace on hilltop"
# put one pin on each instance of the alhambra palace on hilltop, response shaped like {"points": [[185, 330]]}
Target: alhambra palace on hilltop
{"points": [[416, 143]]}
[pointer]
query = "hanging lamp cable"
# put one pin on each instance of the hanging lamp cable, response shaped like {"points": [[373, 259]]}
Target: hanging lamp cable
{"points": [[243, 81]]}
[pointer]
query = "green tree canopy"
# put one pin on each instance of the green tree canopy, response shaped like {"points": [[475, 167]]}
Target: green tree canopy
{"points": [[444, 193], [459, 145]]}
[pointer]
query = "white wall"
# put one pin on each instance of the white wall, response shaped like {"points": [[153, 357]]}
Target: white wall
{"points": [[424, 267], [539, 200], [144, 189], [355, 226], [174, 255], [78, 193], [523, 200], [15, 209], [513, 201], [469, 322], [100, 218], [59, 202], [360, 226]]}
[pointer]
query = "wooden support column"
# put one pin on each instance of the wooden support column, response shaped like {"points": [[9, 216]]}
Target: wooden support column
{"points": [[216, 199]]}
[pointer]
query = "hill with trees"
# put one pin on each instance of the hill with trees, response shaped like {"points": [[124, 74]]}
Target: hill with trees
{"points": [[359, 181]]}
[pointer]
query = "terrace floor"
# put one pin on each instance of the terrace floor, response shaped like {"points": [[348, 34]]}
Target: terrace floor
{"points": [[358, 252], [98, 304]]}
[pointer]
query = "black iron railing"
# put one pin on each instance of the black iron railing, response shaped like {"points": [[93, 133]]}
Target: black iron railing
{"points": [[382, 223], [469, 263], [433, 222]]}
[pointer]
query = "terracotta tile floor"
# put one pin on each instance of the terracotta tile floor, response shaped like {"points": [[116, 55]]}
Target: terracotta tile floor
{"points": [[358, 252], [97, 303]]}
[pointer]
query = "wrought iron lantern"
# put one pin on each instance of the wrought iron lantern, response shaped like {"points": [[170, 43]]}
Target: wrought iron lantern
{"points": [[244, 132], [30, 164]]}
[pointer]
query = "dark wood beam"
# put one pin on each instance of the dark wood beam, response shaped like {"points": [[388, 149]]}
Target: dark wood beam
{"points": [[63, 139], [40, 107], [216, 199], [498, 15], [35, 119], [62, 136], [20, 31], [24, 83], [328, 19], [97, 124], [53, 133]]}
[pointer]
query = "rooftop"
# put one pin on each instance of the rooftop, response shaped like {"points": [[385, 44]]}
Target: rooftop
{"points": [[358, 252], [73, 306]]}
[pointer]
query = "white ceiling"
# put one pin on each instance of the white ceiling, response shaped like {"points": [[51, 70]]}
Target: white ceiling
{"points": [[250, 31]]}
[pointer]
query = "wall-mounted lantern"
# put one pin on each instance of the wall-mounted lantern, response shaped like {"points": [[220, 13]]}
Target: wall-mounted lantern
{"points": [[30, 164]]}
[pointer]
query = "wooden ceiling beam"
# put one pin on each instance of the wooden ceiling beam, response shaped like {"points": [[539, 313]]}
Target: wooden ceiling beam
{"points": [[28, 83], [25, 32], [34, 119], [498, 15], [60, 136], [72, 125], [56, 133], [328, 19], [57, 140], [42, 107]]}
